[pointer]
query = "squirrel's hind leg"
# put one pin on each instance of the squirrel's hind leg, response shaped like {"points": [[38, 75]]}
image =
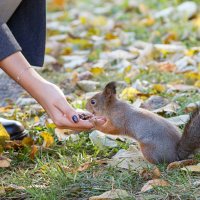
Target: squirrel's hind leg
{"points": [[149, 153]]}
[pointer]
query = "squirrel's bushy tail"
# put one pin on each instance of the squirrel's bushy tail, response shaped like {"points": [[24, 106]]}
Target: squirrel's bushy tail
{"points": [[191, 136]]}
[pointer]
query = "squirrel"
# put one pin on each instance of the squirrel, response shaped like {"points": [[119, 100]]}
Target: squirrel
{"points": [[159, 140]]}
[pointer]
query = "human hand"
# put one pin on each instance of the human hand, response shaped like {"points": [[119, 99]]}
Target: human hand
{"points": [[63, 115]]}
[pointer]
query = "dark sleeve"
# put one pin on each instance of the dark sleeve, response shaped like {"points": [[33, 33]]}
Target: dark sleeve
{"points": [[28, 25], [8, 43]]}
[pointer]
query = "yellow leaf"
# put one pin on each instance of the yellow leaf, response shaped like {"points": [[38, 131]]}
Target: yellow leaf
{"points": [[127, 69], [97, 70], [5, 109], [169, 37], [148, 21], [50, 125], [3, 135], [60, 3], [4, 162], [129, 93], [196, 21], [110, 36], [197, 83], [190, 52], [192, 75], [99, 21], [159, 88], [67, 51], [48, 139], [83, 20], [36, 119], [2, 190], [27, 141]]}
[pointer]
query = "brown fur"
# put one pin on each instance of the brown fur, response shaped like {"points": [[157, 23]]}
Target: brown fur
{"points": [[160, 141]]}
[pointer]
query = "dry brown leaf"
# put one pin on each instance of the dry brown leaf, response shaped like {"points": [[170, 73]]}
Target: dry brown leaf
{"points": [[84, 166], [6, 109], [154, 183], [34, 150], [166, 67], [4, 162], [148, 174], [12, 187], [112, 194], [182, 163]]}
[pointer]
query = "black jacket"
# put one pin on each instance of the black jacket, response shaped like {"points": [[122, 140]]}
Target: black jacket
{"points": [[25, 31]]}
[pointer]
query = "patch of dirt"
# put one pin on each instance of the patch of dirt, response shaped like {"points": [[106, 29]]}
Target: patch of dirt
{"points": [[9, 90]]}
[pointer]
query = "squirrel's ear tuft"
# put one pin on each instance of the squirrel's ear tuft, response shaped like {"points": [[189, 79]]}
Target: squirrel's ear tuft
{"points": [[110, 89]]}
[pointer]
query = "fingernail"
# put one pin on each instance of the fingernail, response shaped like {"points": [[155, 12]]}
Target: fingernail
{"points": [[75, 119]]}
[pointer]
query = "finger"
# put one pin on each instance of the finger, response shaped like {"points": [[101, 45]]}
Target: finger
{"points": [[68, 111], [80, 126]]}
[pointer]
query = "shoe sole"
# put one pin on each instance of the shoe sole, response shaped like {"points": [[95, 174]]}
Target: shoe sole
{"points": [[19, 136]]}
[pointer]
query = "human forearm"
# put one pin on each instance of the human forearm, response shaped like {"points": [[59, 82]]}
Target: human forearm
{"points": [[47, 94], [20, 70]]}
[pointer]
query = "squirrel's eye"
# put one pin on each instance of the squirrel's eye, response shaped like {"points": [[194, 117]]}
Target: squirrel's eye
{"points": [[93, 101]]}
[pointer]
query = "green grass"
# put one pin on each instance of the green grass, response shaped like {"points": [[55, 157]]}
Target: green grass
{"points": [[45, 175]]}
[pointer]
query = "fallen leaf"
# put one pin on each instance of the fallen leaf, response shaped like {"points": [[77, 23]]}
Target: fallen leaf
{"points": [[34, 150], [48, 139], [27, 141], [129, 94], [192, 168], [154, 183], [148, 174], [60, 3], [129, 159], [14, 144], [3, 135], [12, 187], [169, 108], [167, 67], [182, 163], [112, 194], [4, 162], [158, 88], [179, 120], [192, 106], [97, 70], [65, 134], [2, 190]]}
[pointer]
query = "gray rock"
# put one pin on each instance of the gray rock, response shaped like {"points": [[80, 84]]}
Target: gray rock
{"points": [[88, 86], [26, 101], [101, 140]]}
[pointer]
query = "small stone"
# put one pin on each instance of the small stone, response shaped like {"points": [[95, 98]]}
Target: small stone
{"points": [[87, 85], [101, 140], [26, 101], [154, 102]]}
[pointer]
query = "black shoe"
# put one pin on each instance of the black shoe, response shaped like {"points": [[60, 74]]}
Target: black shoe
{"points": [[14, 128]]}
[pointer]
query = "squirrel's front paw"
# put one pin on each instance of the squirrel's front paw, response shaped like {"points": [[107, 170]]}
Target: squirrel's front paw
{"points": [[98, 121]]}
